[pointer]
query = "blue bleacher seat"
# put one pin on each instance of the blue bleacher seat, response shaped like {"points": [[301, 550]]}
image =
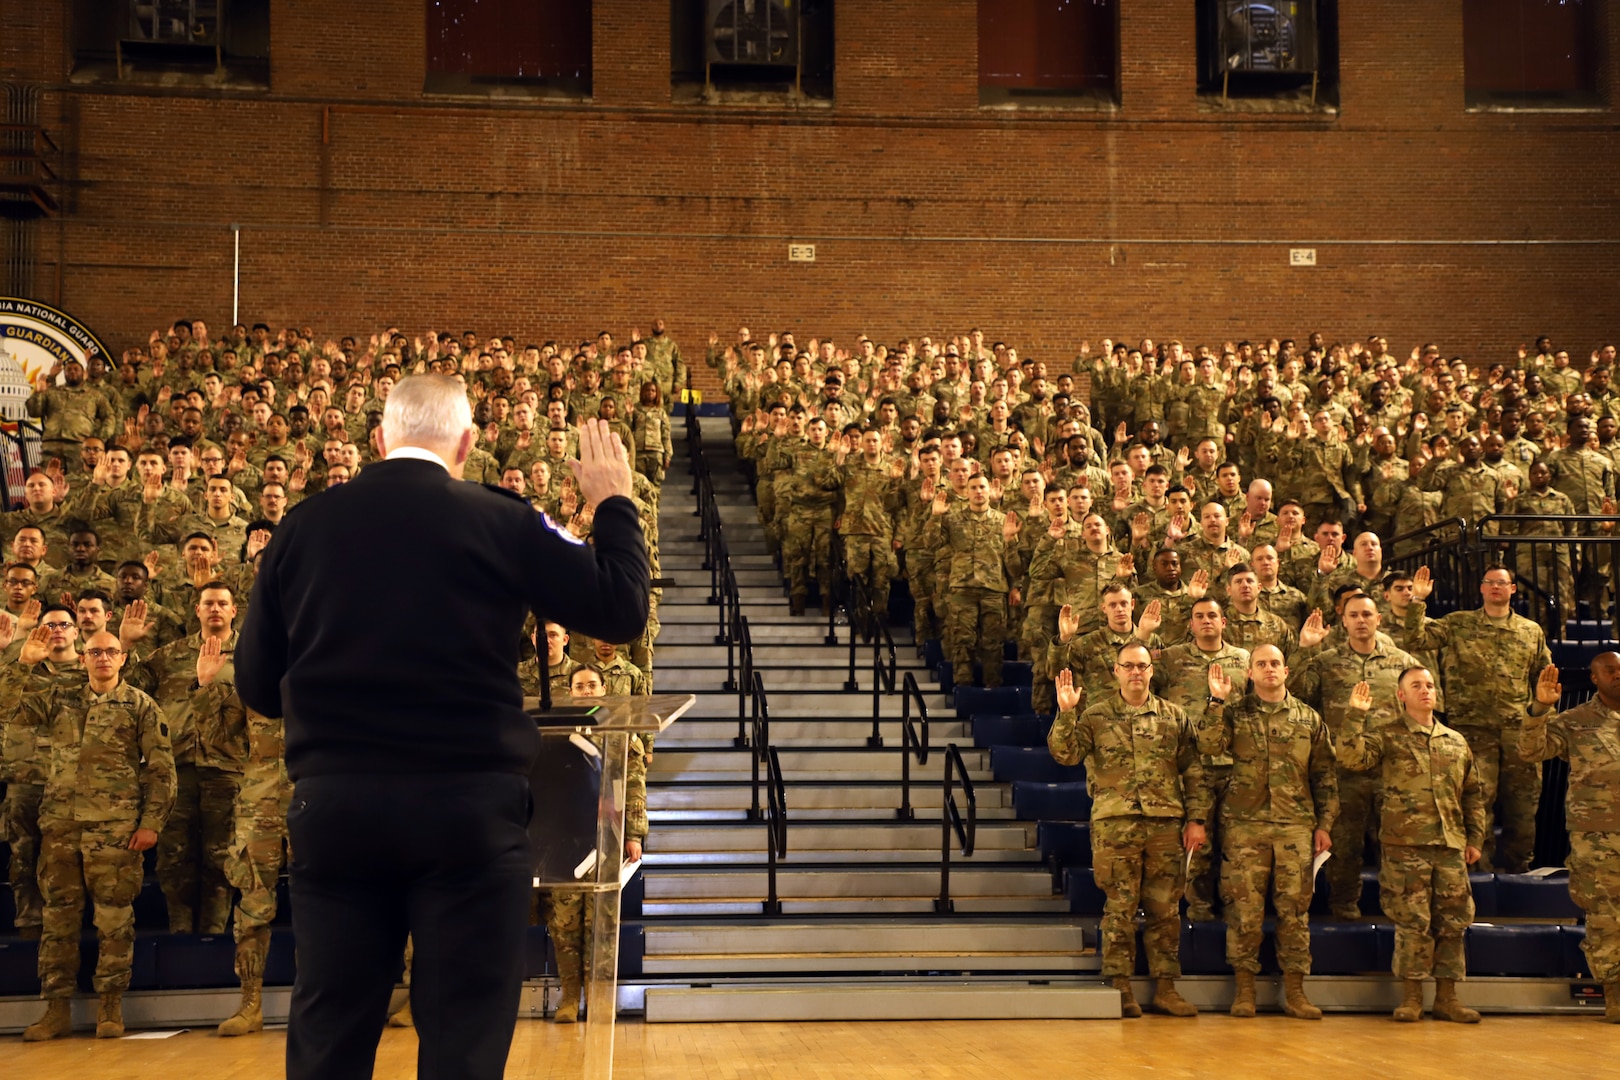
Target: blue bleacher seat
{"points": [[279, 965], [1080, 886], [19, 968], [1578, 654], [195, 961], [1034, 800], [1351, 948], [1009, 763], [1205, 950], [1483, 886], [1003, 700], [1026, 729], [1519, 896], [1065, 843], [1530, 951], [933, 652], [1573, 938], [151, 912], [1587, 630]]}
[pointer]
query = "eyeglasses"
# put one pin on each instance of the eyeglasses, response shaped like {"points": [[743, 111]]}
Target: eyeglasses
{"points": [[1135, 667], [55, 626], [103, 654]]}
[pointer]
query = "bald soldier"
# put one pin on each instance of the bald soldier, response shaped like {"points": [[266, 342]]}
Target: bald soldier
{"points": [[1588, 737]]}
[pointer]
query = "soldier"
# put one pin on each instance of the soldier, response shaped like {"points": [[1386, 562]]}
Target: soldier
{"points": [[620, 676], [83, 571], [42, 511], [1547, 566], [1043, 577], [194, 679], [258, 852], [1365, 571], [665, 365], [1089, 567], [1324, 681], [1588, 737], [1181, 676], [1328, 484], [1174, 597], [1091, 656], [871, 501], [559, 664], [111, 786], [807, 515], [68, 413], [1469, 488], [1277, 817], [1431, 827], [974, 540], [1276, 596], [1248, 624], [1490, 658], [651, 431], [1141, 758], [1211, 550]]}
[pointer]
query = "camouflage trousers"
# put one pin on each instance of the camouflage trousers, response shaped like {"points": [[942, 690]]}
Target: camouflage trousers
{"points": [[1203, 874], [1512, 790], [1425, 892], [925, 618], [22, 825], [1138, 864], [1358, 800], [74, 858], [1315, 514], [67, 451], [975, 623], [641, 649], [652, 467], [566, 913], [1550, 571], [870, 560], [1034, 638], [1594, 884], [257, 856], [766, 491], [1265, 859], [807, 549], [195, 847]]}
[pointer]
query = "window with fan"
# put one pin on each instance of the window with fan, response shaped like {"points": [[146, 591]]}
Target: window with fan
{"points": [[1534, 53], [509, 47], [184, 43], [1047, 49], [1279, 51], [751, 49]]}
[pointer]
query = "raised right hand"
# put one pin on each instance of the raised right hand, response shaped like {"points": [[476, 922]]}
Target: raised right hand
{"points": [[1548, 692], [1069, 696]]}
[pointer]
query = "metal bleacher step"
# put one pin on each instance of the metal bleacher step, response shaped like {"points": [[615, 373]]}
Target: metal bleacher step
{"points": [[870, 999], [810, 801], [850, 764], [893, 946], [859, 890], [794, 656], [714, 703], [879, 838], [796, 733]]}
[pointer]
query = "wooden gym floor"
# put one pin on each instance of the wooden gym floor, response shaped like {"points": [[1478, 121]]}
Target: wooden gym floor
{"points": [[1213, 1045]]}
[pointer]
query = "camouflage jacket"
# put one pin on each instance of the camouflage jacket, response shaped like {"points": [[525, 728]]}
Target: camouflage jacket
{"points": [[1139, 761], [1488, 666], [1326, 471], [110, 757], [1324, 681], [1588, 737], [1262, 628], [1431, 791], [1175, 609], [1468, 492], [1586, 476], [973, 545], [1283, 770], [25, 737], [1287, 603], [871, 499], [1091, 657], [207, 724], [1181, 677], [71, 413]]}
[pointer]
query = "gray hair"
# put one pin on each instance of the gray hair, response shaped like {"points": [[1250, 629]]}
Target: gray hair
{"points": [[426, 409]]}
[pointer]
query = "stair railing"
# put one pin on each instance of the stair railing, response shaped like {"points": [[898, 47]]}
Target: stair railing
{"points": [[911, 742], [951, 820]]}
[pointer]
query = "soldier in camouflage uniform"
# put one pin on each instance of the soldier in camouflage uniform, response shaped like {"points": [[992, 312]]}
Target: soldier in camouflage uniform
{"points": [[974, 540], [1174, 597], [1181, 677], [1547, 566], [1151, 803], [664, 364], [1278, 815], [258, 852], [69, 413], [110, 788], [807, 514], [1325, 471], [1469, 488], [1588, 737], [1091, 656], [1248, 624], [871, 501], [1043, 577], [1431, 828], [1489, 660]]}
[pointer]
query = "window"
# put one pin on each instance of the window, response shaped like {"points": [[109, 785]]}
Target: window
{"points": [[1035, 49], [1528, 53], [185, 43], [522, 48], [1272, 55], [763, 51]]}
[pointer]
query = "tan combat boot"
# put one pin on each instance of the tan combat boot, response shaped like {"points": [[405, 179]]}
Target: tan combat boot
{"points": [[1611, 1002], [110, 1016], [1243, 1000], [568, 1003], [1295, 1003], [1410, 1010], [1447, 1007], [57, 1021], [401, 1017], [1168, 1000], [251, 952], [1127, 999]]}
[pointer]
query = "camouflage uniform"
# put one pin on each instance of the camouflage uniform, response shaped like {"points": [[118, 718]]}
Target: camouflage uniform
{"points": [[1588, 737], [976, 594], [1488, 668], [621, 677], [1262, 628], [1284, 786], [871, 495], [1586, 476], [258, 849], [915, 515], [650, 431], [1198, 554], [1433, 807], [1043, 578], [529, 677], [1091, 658], [664, 366], [1142, 769], [1471, 492], [1384, 494], [208, 730], [69, 415], [1324, 681], [1326, 476], [25, 762], [1181, 677], [807, 518], [1175, 608], [111, 774], [1546, 566], [1287, 603]]}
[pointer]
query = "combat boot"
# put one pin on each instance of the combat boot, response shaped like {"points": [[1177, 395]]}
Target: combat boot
{"points": [[1611, 1002], [568, 1003], [1168, 1000], [1127, 999], [401, 1018], [1447, 1007], [110, 1016], [1410, 1010], [250, 957], [57, 1021], [1295, 1003], [1243, 1000]]}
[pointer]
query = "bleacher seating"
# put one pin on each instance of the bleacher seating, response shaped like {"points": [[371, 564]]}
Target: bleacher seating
{"points": [[1013, 763], [1532, 950], [1064, 843], [1025, 729], [1520, 896], [1013, 673], [1002, 701], [1037, 800]]}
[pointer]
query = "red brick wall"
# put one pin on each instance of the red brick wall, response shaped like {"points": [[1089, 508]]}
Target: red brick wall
{"points": [[364, 202]]}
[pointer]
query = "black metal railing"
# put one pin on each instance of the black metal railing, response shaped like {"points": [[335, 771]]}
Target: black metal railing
{"points": [[951, 820], [911, 742], [745, 682], [1563, 558], [759, 736], [773, 812], [1443, 548]]}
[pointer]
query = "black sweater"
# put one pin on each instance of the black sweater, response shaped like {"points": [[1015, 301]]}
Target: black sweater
{"points": [[385, 621]]}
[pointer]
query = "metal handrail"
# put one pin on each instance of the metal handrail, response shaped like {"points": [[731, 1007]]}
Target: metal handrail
{"points": [[759, 737], [775, 829], [882, 641], [745, 684], [910, 742], [951, 819]]}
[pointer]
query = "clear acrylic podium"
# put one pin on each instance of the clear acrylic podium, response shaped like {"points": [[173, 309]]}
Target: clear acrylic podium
{"points": [[577, 831]]}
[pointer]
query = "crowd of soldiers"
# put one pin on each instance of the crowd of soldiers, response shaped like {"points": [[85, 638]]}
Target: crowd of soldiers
{"points": [[130, 566], [1189, 546]]}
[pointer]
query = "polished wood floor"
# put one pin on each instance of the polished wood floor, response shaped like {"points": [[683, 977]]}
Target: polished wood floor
{"points": [[1157, 1047]]}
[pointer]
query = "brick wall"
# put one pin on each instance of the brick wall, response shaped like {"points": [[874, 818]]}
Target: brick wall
{"points": [[363, 201]]}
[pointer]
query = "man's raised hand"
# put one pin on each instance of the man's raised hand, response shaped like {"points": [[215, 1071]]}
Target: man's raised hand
{"points": [[603, 468]]}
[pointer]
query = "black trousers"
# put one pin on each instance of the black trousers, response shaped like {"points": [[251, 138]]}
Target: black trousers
{"points": [[444, 858]]}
